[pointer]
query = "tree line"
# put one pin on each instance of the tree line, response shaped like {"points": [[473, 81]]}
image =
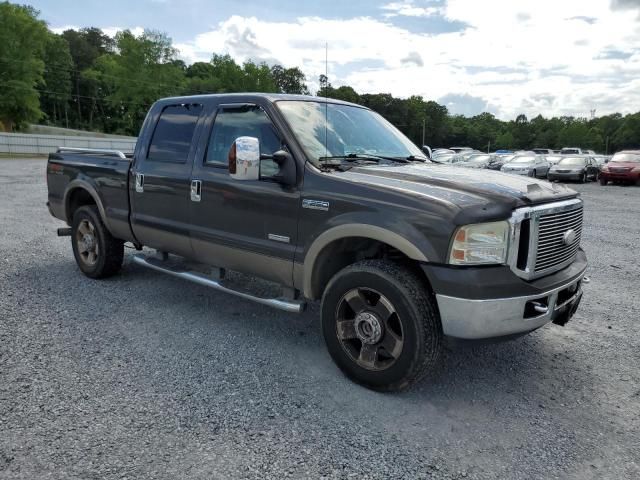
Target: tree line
{"points": [[87, 80]]}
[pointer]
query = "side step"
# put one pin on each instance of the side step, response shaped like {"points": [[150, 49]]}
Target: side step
{"points": [[293, 306]]}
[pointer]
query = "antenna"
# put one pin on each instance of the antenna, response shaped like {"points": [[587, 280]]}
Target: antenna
{"points": [[326, 105]]}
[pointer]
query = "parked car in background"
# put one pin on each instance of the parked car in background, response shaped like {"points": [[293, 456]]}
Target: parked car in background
{"points": [[577, 168], [531, 165], [601, 160], [499, 160], [478, 160], [571, 151], [441, 151], [553, 158], [624, 167], [449, 158], [461, 149], [543, 151]]}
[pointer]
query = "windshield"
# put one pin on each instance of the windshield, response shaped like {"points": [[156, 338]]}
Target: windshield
{"points": [[523, 160], [570, 150], [572, 161], [334, 130], [626, 157]]}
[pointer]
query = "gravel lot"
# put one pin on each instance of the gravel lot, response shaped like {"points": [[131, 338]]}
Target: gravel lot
{"points": [[146, 376]]}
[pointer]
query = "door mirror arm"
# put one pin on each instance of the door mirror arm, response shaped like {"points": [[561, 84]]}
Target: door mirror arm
{"points": [[287, 174]]}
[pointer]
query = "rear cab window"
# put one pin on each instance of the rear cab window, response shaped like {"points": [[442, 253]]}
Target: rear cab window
{"points": [[173, 134]]}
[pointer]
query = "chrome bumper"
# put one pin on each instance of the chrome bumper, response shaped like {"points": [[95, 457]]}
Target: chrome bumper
{"points": [[497, 317]]}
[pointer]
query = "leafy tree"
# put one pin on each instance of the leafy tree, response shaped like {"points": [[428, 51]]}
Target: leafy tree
{"points": [[142, 70], [86, 46], [289, 80], [22, 44], [57, 79]]}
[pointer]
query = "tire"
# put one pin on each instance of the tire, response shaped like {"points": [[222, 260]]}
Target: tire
{"points": [[97, 253], [603, 181], [390, 334], [583, 179]]}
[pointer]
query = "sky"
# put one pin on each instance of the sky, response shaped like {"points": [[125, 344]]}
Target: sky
{"points": [[506, 57]]}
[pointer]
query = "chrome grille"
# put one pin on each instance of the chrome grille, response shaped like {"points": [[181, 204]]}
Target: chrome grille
{"points": [[538, 235], [552, 250]]}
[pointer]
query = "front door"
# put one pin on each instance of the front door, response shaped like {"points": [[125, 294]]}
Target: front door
{"points": [[161, 179], [248, 226]]}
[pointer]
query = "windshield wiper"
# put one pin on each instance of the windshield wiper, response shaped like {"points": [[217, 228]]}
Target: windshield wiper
{"points": [[368, 156]]}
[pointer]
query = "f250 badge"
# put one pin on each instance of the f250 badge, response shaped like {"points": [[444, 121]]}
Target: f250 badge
{"points": [[315, 204]]}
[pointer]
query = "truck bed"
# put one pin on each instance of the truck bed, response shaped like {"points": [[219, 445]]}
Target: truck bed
{"points": [[103, 173]]}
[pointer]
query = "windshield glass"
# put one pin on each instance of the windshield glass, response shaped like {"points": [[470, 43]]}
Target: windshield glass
{"points": [[572, 161], [626, 157], [523, 160], [329, 129], [569, 150]]}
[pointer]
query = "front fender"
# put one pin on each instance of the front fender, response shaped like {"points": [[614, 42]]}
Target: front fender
{"points": [[408, 247]]}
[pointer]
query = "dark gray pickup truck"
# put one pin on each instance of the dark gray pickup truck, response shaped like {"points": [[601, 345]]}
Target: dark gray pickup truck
{"points": [[330, 201]]}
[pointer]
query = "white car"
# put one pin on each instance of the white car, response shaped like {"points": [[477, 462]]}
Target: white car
{"points": [[529, 165]]}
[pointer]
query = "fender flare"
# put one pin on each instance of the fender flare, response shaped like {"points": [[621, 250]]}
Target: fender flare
{"points": [[79, 184], [355, 230]]}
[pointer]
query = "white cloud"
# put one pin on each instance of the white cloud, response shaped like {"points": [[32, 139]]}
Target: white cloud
{"points": [[408, 8]]}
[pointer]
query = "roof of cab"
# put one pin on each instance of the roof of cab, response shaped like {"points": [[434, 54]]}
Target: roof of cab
{"points": [[252, 96]]}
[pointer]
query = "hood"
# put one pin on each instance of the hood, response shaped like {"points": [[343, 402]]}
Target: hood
{"points": [[461, 186], [625, 165]]}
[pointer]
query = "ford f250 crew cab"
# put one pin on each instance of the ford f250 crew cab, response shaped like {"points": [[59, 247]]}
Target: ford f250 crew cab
{"points": [[332, 202]]}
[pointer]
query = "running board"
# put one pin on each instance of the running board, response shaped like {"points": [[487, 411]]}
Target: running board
{"points": [[292, 306]]}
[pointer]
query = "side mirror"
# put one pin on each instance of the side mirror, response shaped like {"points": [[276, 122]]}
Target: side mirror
{"points": [[244, 159], [286, 166], [427, 151]]}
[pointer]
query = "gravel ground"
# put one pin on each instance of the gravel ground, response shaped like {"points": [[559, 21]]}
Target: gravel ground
{"points": [[146, 376]]}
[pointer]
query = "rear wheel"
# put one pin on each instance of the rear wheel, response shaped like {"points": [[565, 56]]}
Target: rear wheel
{"points": [[381, 325], [97, 253]]}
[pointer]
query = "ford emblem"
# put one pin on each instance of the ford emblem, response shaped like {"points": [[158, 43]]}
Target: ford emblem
{"points": [[569, 236]]}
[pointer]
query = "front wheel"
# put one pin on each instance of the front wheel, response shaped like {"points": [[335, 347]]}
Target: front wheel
{"points": [[381, 325], [97, 252], [583, 179], [603, 181]]}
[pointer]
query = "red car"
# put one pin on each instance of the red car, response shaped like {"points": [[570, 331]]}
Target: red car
{"points": [[624, 167]]}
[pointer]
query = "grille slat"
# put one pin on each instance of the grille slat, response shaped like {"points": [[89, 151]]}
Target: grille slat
{"points": [[551, 251]]}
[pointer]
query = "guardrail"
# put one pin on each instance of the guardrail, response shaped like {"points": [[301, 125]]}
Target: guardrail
{"points": [[28, 144]]}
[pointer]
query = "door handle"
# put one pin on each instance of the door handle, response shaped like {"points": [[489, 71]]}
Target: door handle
{"points": [[139, 182], [196, 190]]}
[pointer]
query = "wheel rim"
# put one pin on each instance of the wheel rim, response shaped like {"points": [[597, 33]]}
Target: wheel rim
{"points": [[369, 329], [87, 242]]}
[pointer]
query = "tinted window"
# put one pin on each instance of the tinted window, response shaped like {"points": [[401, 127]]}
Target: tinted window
{"points": [[174, 132], [247, 122]]}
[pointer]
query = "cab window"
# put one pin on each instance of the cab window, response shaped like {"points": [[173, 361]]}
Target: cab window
{"points": [[173, 134], [249, 121]]}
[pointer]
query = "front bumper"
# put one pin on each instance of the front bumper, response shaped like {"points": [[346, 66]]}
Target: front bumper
{"points": [[525, 173], [620, 176], [565, 176], [484, 312]]}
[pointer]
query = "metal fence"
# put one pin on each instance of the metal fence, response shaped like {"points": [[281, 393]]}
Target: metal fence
{"points": [[28, 144]]}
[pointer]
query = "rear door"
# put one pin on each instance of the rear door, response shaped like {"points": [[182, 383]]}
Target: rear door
{"points": [[248, 226], [161, 177]]}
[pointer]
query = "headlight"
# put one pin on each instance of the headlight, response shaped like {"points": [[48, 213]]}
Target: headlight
{"points": [[479, 244], [605, 168]]}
